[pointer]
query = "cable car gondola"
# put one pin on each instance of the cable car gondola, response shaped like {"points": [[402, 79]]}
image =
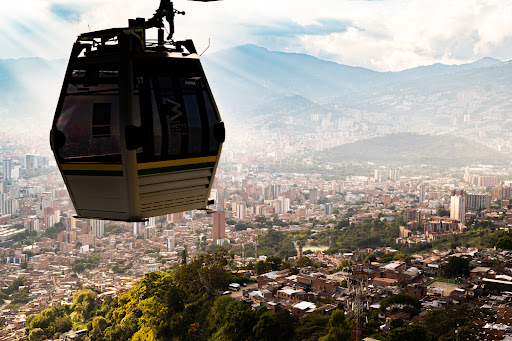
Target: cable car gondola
{"points": [[136, 131]]}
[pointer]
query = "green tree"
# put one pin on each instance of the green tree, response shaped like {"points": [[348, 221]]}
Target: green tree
{"points": [[388, 257], [36, 334], [97, 333], [339, 328], [396, 323], [442, 323], [401, 302], [304, 261], [53, 320], [274, 263], [266, 329], [239, 322], [15, 285], [287, 324], [312, 326], [205, 272], [456, 266], [83, 304], [262, 267], [443, 212], [411, 332], [218, 310], [79, 267], [370, 258], [504, 242]]}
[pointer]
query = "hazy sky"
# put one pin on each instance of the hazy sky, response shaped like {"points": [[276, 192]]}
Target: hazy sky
{"points": [[384, 35]]}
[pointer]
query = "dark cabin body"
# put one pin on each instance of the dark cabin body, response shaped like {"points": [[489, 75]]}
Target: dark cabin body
{"points": [[136, 132]]}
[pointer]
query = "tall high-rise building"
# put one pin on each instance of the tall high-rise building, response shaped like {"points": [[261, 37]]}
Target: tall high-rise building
{"points": [[458, 205], [269, 193], [171, 244], [421, 189], [276, 189], [88, 239], [3, 203], [241, 211], [380, 175], [7, 168], [176, 217], [98, 227], [30, 163], [501, 192], [219, 225], [214, 195], [150, 222], [70, 223], [12, 206], [137, 227], [171, 240], [313, 195], [328, 209], [477, 201], [394, 174], [284, 204], [15, 172]]}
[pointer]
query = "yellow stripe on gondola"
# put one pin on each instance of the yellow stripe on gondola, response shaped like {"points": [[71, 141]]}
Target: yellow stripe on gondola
{"points": [[173, 163], [142, 168], [91, 167]]}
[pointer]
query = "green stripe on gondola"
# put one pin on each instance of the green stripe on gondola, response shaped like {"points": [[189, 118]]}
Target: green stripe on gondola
{"points": [[176, 168], [93, 172]]}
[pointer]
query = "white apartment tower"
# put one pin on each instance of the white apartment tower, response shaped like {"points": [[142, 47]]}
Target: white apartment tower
{"points": [[98, 227], [458, 205], [241, 211]]}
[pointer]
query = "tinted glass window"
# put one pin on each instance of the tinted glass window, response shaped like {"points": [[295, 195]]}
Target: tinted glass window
{"points": [[89, 118], [177, 114], [101, 119], [213, 119], [194, 123]]}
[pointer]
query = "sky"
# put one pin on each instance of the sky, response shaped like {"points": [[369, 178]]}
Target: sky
{"points": [[382, 35]]}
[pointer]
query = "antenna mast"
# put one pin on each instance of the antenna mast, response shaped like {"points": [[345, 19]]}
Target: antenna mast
{"points": [[358, 302]]}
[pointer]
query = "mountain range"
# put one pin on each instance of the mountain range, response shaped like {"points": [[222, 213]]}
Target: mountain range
{"points": [[276, 90], [246, 77]]}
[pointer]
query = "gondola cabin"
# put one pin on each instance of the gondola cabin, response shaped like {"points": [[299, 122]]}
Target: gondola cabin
{"points": [[136, 131]]}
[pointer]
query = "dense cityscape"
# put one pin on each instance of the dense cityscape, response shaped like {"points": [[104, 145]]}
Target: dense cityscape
{"points": [[388, 249]]}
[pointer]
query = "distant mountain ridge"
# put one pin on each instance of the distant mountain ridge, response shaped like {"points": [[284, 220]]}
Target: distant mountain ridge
{"points": [[276, 90], [256, 74], [250, 81], [443, 69]]}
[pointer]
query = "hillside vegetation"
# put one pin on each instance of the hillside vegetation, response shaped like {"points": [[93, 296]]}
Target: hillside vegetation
{"points": [[409, 149], [182, 305]]}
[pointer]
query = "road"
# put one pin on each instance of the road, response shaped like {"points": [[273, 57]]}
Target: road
{"points": [[238, 294]]}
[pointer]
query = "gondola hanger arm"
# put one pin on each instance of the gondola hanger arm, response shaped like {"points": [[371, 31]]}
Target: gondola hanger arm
{"points": [[166, 10]]}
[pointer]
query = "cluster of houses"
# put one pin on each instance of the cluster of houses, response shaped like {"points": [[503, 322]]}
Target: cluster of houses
{"points": [[489, 287]]}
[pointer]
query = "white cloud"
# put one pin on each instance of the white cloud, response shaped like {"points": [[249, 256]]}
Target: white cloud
{"points": [[384, 35]]}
